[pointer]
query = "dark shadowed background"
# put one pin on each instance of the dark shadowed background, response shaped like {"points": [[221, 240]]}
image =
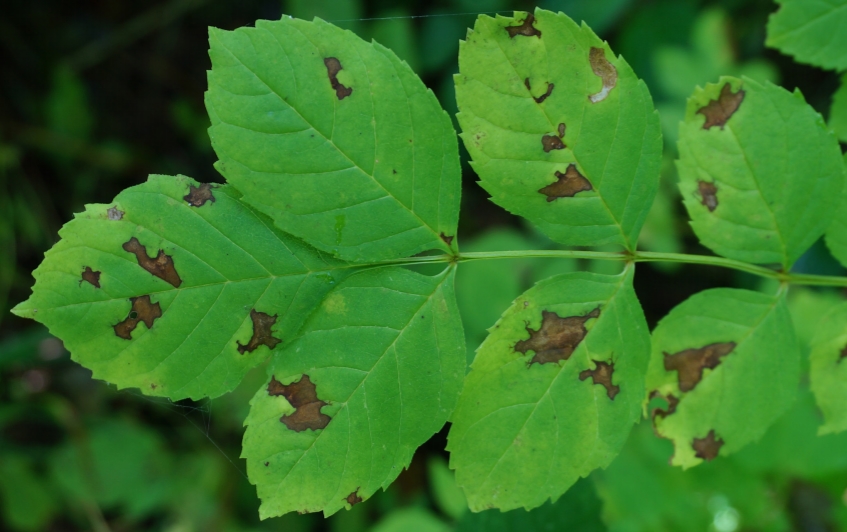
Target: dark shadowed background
{"points": [[96, 95]]}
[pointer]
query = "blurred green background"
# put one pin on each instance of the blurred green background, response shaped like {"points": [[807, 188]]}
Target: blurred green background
{"points": [[96, 95]]}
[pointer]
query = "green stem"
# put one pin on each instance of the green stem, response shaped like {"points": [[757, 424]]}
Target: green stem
{"points": [[639, 256]]}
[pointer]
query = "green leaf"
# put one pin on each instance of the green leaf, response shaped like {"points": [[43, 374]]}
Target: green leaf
{"points": [[577, 510], [236, 286], [335, 138], [812, 31], [411, 520], [553, 391], [828, 371], [759, 173], [448, 497], [838, 111], [836, 234], [727, 361], [25, 499], [584, 171], [381, 361]]}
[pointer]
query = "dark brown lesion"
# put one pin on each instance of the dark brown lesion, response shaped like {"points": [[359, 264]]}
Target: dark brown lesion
{"points": [[143, 310], [353, 499], [690, 363], [198, 196], [605, 70], [333, 67], [544, 96], [262, 332], [567, 184], [90, 276], [557, 338], [707, 448], [526, 28], [718, 112], [303, 397], [602, 375], [552, 142], [162, 266], [447, 239], [708, 194], [672, 401]]}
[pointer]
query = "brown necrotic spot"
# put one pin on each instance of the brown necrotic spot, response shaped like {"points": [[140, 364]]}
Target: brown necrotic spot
{"points": [[198, 196], [162, 266], [525, 28], [602, 374], [544, 96], [90, 276], [262, 334], [717, 112], [671, 400], [708, 194], [114, 214], [707, 448], [690, 363], [303, 397], [333, 67], [143, 310], [447, 239], [557, 338], [561, 130], [567, 184], [353, 499], [605, 70], [552, 142]]}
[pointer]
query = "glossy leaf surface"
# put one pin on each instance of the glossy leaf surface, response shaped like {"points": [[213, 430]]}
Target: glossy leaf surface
{"points": [[560, 130], [335, 138], [230, 286], [378, 369], [552, 393]]}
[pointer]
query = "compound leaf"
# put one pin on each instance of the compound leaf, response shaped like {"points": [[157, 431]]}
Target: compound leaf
{"points": [[728, 364], [335, 138], [828, 369], [553, 391], [376, 371], [812, 31], [176, 288], [760, 174], [560, 130]]}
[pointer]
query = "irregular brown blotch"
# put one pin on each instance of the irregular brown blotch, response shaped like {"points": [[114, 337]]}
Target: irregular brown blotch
{"points": [[544, 96], [162, 266], [447, 239], [717, 112], [707, 448], [198, 196], [143, 310], [262, 334], [690, 363], [602, 374], [672, 404], [552, 142], [557, 338], [353, 499], [91, 277], [567, 185], [526, 29], [303, 397], [708, 194], [333, 67], [114, 214], [605, 70]]}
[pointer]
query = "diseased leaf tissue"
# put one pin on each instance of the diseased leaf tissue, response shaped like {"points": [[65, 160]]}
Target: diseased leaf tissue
{"points": [[180, 288]]}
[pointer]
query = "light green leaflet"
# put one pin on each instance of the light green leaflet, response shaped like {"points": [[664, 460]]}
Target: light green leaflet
{"points": [[759, 172], [229, 271], [553, 391], [376, 371], [836, 234], [838, 111], [828, 371], [812, 31], [727, 362], [335, 138], [560, 130]]}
